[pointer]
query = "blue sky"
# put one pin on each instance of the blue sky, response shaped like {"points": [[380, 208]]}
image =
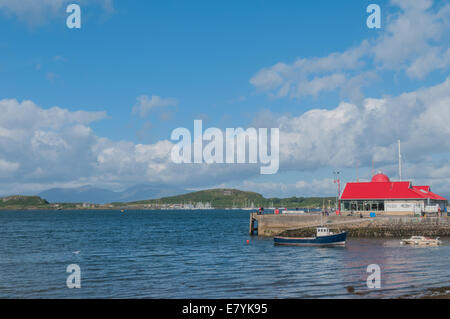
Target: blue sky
{"points": [[201, 52], [213, 60]]}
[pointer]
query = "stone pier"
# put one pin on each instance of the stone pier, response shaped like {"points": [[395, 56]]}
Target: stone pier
{"points": [[383, 226]]}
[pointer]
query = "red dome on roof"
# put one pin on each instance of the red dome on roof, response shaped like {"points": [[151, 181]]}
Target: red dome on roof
{"points": [[380, 178]]}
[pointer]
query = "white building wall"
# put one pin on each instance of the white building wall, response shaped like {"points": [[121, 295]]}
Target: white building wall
{"points": [[403, 205]]}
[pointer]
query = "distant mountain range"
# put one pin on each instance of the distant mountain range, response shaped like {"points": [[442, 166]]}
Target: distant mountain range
{"points": [[69, 198], [91, 194]]}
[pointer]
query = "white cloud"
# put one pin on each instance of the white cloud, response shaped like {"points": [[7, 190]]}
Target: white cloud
{"points": [[413, 41], [355, 134], [53, 147], [434, 59], [42, 148], [49, 143], [27, 115], [311, 76], [6, 167], [32, 11], [37, 12], [59, 58], [351, 134], [146, 104]]}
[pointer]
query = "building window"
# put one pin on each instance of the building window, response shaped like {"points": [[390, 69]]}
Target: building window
{"points": [[365, 206], [360, 206]]}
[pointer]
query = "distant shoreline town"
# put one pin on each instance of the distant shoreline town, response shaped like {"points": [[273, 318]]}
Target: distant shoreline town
{"points": [[232, 199]]}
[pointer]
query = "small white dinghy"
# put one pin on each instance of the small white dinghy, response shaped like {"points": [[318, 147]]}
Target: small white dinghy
{"points": [[421, 241]]}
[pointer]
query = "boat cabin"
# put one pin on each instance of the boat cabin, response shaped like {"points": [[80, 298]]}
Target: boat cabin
{"points": [[323, 231]]}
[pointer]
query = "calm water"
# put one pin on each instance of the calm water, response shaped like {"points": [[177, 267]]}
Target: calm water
{"points": [[195, 254]]}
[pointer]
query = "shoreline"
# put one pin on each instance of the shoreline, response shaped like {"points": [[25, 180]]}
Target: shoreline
{"points": [[431, 293], [114, 209]]}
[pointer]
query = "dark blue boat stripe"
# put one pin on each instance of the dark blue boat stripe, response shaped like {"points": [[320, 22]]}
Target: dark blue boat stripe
{"points": [[336, 238]]}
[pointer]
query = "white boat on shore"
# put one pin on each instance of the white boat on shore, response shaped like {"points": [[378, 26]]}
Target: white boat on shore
{"points": [[286, 211], [421, 241]]}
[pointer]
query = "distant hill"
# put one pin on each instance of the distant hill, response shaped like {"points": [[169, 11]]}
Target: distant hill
{"points": [[19, 201], [228, 198], [218, 198], [90, 194]]}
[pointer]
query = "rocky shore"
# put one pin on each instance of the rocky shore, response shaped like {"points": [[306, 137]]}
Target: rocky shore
{"points": [[431, 293]]}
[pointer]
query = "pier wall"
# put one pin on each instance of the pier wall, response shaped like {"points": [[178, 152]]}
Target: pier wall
{"points": [[383, 226]]}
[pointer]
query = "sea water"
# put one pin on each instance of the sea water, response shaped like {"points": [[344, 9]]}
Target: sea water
{"points": [[196, 254]]}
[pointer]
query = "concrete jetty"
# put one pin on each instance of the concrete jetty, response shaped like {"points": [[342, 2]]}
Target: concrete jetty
{"points": [[382, 226]]}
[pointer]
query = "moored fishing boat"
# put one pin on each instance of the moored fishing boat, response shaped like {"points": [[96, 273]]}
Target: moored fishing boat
{"points": [[421, 241], [323, 238]]}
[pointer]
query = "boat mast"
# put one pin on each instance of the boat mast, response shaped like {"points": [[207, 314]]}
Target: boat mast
{"points": [[338, 182], [323, 211]]}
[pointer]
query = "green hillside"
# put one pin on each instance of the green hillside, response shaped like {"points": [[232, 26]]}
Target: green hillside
{"points": [[19, 201], [228, 198], [218, 198]]}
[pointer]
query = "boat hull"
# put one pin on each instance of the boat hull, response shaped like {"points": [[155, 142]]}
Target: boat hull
{"points": [[416, 243], [329, 240]]}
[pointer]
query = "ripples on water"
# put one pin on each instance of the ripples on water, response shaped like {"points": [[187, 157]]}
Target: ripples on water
{"points": [[195, 254]]}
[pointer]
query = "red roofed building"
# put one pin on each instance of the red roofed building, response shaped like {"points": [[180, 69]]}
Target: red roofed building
{"points": [[393, 198]]}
